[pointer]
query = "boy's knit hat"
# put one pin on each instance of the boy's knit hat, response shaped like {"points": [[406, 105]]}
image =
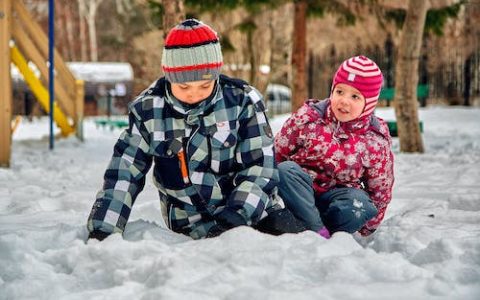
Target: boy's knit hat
{"points": [[363, 74], [191, 53]]}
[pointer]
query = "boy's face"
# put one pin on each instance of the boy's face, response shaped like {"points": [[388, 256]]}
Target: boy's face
{"points": [[347, 102], [193, 92]]}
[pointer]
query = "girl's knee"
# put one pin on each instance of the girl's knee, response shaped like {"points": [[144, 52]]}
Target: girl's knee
{"points": [[288, 167], [289, 170], [366, 207], [349, 216]]}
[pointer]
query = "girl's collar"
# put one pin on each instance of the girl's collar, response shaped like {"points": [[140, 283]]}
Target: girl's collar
{"points": [[359, 124]]}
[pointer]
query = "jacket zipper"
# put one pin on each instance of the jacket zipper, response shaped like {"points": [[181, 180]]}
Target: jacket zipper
{"points": [[183, 166], [182, 157], [198, 192], [170, 216]]}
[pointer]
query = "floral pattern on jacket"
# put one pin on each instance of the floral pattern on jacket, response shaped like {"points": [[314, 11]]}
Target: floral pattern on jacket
{"points": [[352, 154]]}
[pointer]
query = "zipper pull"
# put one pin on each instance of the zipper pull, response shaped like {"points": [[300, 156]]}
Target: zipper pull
{"points": [[183, 166]]}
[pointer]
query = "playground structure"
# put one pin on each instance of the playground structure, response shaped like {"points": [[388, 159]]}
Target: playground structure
{"points": [[22, 41]]}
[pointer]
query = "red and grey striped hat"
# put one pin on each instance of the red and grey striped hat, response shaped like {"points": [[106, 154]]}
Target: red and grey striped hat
{"points": [[363, 74], [191, 53]]}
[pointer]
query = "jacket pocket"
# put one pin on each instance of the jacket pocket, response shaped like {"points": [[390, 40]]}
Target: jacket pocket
{"points": [[223, 145], [169, 169]]}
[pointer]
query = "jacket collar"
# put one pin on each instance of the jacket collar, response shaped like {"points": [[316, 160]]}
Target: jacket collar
{"points": [[359, 125], [192, 112]]}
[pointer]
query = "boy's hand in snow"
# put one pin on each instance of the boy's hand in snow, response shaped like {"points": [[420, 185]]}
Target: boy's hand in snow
{"points": [[224, 221], [98, 235], [216, 230]]}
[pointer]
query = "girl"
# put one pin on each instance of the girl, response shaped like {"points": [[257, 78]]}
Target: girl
{"points": [[334, 156]]}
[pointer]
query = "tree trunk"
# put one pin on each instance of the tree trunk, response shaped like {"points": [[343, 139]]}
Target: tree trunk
{"points": [[92, 33], [467, 79], [82, 13], [70, 32], [406, 78], [299, 54], [6, 12], [310, 72], [251, 54], [61, 34], [174, 14], [92, 29]]}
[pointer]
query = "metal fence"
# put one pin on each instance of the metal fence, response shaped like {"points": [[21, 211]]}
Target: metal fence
{"points": [[456, 80]]}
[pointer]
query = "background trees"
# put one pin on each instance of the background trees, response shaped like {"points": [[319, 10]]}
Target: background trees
{"points": [[297, 43]]}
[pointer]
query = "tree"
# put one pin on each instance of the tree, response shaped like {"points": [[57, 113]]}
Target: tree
{"points": [[471, 36], [174, 14], [88, 10], [406, 73], [299, 54], [82, 12], [304, 8], [406, 78], [66, 20], [254, 9], [69, 21]]}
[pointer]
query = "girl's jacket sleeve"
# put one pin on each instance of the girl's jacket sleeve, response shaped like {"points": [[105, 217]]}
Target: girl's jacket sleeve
{"points": [[379, 178], [287, 140], [124, 179]]}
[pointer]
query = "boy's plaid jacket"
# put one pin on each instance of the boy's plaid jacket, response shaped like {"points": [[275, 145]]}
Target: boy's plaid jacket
{"points": [[213, 162]]}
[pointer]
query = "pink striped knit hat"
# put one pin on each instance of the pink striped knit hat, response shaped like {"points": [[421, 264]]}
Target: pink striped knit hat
{"points": [[363, 74]]}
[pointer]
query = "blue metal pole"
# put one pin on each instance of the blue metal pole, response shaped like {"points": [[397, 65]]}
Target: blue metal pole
{"points": [[51, 43]]}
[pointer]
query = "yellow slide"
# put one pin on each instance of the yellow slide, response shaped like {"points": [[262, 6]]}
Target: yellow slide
{"points": [[41, 93]]}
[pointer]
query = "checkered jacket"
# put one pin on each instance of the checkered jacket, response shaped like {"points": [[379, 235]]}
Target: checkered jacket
{"points": [[213, 162]]}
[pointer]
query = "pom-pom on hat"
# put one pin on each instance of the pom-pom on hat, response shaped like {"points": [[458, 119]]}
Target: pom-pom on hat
{"points": [[191, 53], [363, 74]]}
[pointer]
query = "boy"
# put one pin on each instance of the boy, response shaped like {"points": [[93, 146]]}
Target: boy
{"points": [[210, 143]]}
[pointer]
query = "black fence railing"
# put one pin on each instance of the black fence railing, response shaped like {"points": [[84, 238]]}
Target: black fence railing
{"points": [[455, 81]]}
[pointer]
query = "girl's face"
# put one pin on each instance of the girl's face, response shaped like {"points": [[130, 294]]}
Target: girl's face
{"points": [[193, 92], [347, 102]]}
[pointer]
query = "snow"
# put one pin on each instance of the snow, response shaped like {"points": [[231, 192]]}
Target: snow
{"points": [[89, 71], [428, 247], [102, 71]]}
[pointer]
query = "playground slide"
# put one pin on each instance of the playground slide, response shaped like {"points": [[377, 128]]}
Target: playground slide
{"points": [[40, 92]]}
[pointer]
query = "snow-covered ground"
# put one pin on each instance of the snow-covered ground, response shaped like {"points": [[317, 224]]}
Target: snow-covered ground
{"points": [[427, 248]]}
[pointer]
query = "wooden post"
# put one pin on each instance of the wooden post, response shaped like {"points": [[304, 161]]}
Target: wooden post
{"points": [[79, 108], [5, 83]]}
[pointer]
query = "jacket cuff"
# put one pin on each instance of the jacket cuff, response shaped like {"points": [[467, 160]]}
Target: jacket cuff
{"points": [[229, 218], [215, 231], [366, 232]]}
